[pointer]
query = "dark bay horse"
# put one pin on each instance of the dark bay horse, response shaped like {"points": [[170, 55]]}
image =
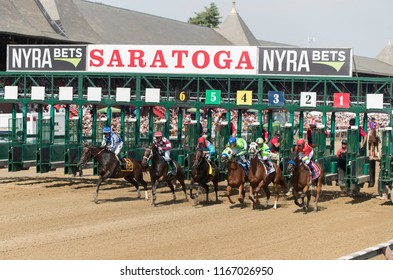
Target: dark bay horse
{"points": [[235, 176], [373, 142], [258, 178], [200, 174], [109, 167], [300, 181], [159, 172]]}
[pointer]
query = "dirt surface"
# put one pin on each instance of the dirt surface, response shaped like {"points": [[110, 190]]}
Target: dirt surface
{"points": [[53, 216]]}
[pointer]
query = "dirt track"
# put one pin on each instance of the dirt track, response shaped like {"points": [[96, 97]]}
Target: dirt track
{"points": [[52, 216]]}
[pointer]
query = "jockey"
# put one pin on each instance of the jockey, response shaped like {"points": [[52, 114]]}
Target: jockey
{"points": [[112, 141], [239, 149], [372, 124], [164, 147], [263, 151], [207, 147], [305, 153]]}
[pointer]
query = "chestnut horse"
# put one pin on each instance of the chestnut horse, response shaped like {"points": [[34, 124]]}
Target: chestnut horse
{"points": [[159, 172], [109, 167], [200, 174], [373, 142], [235, 175], [258, 178], [300, 181]]}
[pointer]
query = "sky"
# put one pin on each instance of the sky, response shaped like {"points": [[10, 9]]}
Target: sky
{"points": [[366, 26]]}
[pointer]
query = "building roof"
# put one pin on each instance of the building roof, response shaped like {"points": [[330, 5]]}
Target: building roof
{"points": [[236, 30], [386, 55]]}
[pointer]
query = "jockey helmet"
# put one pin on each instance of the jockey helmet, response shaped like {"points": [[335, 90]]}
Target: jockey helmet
{"points": [[232, 140], [201, 140], [344, 141], [158, 134], [300, 142], [259, 140], [106, 130], [373, 118]]}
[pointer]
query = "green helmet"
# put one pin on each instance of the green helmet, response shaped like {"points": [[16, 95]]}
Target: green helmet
{"points": [[259, 140]]}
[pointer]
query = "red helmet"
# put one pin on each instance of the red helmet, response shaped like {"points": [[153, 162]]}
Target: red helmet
{"points": [[300, 142], [201, 140], [158, 134]]}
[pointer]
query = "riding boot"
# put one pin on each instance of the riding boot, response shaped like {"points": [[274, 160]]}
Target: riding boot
{"points": [[311, 169], [173, 167], [122, 163]]}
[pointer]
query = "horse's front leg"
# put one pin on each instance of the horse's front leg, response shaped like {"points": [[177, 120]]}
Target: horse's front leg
{"points": [[240, 197], [228, 194], [153, 192]]}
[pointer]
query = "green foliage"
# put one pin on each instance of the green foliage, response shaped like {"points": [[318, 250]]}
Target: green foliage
{"points": [[210, 17]]}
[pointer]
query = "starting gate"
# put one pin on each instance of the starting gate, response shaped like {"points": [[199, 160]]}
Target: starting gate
{"points": [[386, 167]]}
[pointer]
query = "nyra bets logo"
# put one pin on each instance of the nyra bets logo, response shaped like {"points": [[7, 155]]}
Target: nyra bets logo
{"points": [[46, 58], [305, 62]]}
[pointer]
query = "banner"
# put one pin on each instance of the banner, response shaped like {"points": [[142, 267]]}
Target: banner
{"points": [[217, 60], [46, 58], [305, 62]]}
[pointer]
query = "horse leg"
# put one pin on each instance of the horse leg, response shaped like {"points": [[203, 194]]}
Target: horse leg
{"points": [[192, 183], [319, 187], [277, 193], [180, 178], [170, 185], [131, 179], [267, 192], [139, 178], [196, 199], [215, 183], [240, 197], [153, 192], [97, 189], [228, 194], [251, 196]]}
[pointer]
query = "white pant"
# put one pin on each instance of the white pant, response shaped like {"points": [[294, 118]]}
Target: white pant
{"points": [[167, 155], [118, 148]]}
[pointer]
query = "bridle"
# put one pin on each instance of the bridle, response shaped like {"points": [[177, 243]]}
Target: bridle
{"points": [[150, 154], [197, 163], [90, 155]]}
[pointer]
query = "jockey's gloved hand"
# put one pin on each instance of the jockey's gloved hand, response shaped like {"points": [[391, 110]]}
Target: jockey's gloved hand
{"points": [[160, 149]]}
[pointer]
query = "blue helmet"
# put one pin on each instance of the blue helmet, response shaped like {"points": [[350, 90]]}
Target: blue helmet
{"points": [[106, 130], [232, 140]]}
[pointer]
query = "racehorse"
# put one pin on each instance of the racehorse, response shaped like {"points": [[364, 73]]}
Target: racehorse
{"points": [[159, 172], [373, 142], [235, 175], [258, 178], [301, 181], [109, 167], [200, 174]]}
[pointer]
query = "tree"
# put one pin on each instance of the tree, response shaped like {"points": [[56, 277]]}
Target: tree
{"points": [[210, 17]]}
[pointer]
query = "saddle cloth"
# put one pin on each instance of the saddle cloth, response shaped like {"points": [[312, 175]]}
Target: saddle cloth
{"points": [[211, 170], [317, 171], [269, 170], [129, 167]]}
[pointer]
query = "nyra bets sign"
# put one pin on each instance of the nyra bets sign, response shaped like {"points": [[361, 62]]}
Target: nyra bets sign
{"points": [[305, 62], [236, 60]]}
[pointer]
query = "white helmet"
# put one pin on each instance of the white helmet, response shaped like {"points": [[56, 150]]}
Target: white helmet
{"points": [[259, 141]]}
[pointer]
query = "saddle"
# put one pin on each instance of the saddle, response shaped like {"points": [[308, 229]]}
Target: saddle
{"points": [[128, 167], [269, 170]]}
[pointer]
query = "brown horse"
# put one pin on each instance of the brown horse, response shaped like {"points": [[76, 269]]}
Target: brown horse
{"points": [[258, 178], [159, 172], [200, 174], [373, 142], [300, 181], [109, 167], [235, 175]]}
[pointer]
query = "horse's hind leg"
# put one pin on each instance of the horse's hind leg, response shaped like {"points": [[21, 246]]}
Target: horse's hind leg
{"points": [[131, 179], [153, 192], [180, 178], [172, 189], [139, 178]]}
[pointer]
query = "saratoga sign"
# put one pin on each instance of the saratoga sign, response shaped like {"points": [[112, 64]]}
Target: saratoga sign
{"points": [[173, 59], [168, 59]]}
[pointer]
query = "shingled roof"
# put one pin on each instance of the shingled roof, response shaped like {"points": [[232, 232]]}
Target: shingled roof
{"points": [[386, 55]]}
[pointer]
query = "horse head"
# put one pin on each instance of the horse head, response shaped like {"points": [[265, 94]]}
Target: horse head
{"points": [[147, 155], [226, 155], [198, 156], [293, 161], [85, 156], [253, 150]]}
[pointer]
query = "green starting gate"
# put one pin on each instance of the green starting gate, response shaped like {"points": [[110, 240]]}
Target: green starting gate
{"points": [[72, 145], [44, 142], [386, 167], [357, 171]]}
